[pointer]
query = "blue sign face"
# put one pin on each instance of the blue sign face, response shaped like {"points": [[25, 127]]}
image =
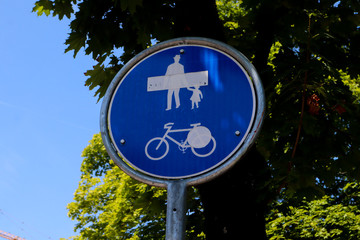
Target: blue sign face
{"points": [[181, 111]]}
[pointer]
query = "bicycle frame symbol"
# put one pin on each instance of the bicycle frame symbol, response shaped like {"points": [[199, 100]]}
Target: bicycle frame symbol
{"points": [[198, 137]]}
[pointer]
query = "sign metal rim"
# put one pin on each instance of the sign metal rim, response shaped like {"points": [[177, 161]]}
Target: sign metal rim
{"points": [[214, 171], [118, 149]]}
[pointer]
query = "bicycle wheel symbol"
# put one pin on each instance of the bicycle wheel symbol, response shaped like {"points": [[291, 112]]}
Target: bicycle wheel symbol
{"points": [[199, 137], [155, 149], [204, 150]]}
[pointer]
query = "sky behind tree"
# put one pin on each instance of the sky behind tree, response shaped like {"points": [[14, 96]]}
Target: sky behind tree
{"points": [[47, 118]]}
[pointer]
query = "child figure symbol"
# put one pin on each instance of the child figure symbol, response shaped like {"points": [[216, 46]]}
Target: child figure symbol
{"points": [[196, 96]]}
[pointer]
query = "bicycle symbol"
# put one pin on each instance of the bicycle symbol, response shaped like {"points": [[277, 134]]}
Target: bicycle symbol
{"points": [[197, 138]]}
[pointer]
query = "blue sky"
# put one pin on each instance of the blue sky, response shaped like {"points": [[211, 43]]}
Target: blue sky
{"points": [[47, 117]]}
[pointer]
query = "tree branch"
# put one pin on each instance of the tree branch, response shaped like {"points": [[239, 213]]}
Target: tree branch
{"points": [[303, 93]]}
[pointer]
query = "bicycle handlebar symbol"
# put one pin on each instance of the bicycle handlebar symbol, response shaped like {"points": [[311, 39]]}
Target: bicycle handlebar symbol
{"points": [[197, 138]]}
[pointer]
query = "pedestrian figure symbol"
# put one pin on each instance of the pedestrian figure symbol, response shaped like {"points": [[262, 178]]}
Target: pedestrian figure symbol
{"points": [[174, 79], [174, 76]]}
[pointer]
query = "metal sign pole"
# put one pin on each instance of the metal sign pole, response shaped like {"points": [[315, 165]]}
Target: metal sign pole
{"points": [[176, 209]]}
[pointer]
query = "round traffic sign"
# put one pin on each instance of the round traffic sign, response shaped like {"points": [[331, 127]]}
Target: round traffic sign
{"points": [[182, 109]]}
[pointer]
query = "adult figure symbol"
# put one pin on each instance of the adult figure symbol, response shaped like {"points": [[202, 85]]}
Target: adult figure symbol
{"points": [[174, 77]]}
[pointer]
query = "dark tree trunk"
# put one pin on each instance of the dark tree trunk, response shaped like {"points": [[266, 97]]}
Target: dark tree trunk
{"points": [[234, 206], [198, 18], [231, 202]]}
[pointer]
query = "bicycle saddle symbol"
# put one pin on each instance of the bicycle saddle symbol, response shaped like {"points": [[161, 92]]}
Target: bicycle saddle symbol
{"points": [[197, 138]]}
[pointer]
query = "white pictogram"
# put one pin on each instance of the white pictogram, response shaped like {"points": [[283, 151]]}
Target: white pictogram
{"points": [[175, 79], [196, 96], [197, 138]]}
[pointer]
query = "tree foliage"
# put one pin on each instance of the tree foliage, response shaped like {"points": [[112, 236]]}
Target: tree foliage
{"points": [[306, 52], [327, 218], [311, 77], [108, 204]]}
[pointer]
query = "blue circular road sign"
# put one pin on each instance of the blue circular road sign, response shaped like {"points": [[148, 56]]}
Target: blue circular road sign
{"points": [[182, 109]]}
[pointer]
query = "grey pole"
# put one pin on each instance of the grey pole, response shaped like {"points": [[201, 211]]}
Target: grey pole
{"points": [[175, 214]]}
